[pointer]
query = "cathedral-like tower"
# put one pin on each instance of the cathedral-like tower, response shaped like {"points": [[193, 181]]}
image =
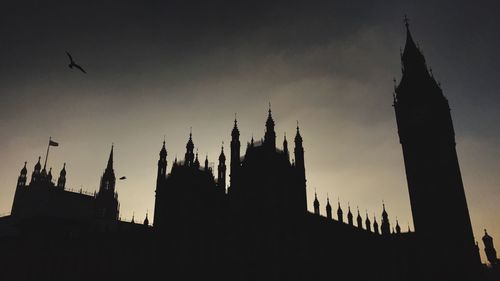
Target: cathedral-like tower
{"points": [[107, 198], [221, 171], [235, 156], [300, 168], [161, 179], [435, 185], [270, 135], [189, 156]]}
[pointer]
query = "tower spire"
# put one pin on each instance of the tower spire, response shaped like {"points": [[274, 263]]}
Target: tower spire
{"points": [[107, 198], [340, 214], [235, 156], [359, 220], [189, 157], [316, 204], [221, 170], [328, 207], [270, 135], [110, 160]]}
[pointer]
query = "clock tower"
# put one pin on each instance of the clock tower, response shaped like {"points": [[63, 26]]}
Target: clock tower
{"points": [[439, 208]]}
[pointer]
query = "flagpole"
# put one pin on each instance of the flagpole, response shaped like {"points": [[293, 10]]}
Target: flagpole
{"points": [[47, 155]]}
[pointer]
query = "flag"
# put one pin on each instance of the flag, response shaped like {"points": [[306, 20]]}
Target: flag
{"points": [[53, 143]]}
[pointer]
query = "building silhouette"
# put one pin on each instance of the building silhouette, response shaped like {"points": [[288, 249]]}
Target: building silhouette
{"points": [[258, 227], [42, 197], [427, 137]]}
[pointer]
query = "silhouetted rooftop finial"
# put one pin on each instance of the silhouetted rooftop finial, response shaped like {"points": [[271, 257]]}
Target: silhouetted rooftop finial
{"points": [[63, 170], [110, 160], [24, 170], [407, 22]]}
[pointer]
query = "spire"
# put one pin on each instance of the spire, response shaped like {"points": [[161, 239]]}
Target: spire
{"points": [[163, 151], [222, 157], [235, 133], [298, 137], [24, 171], [398, 228], [412, 57], [384, 213], [63, 170], [269, 116], [340, 214], [270, 135], [110, 160], [385, 226], [221, 170], [38, 166], [189, 156], [190, 144], [162, 166], [108, 179], [328, 208], [359, 220], [349, 214], [235, 157], [146, 221], [417, 81], [206, 162], [316, 204]]}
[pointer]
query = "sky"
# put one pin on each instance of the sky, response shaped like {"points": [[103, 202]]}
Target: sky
{"points": [[157, 68]]}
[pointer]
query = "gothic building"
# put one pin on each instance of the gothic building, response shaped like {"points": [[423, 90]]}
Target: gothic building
{"points": [[43, 197], [258, 227], [427, 137]]}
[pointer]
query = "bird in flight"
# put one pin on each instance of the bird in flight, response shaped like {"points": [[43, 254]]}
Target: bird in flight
{"points": [[73, 64], [123, 178]]}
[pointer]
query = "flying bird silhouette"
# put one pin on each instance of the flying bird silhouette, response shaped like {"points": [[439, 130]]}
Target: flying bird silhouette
{"points": [[123, 178], [73, 64]]}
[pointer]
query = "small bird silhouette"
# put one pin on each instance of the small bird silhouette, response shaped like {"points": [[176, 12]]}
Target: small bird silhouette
{"points": [[73, 64], [123, 178]]}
